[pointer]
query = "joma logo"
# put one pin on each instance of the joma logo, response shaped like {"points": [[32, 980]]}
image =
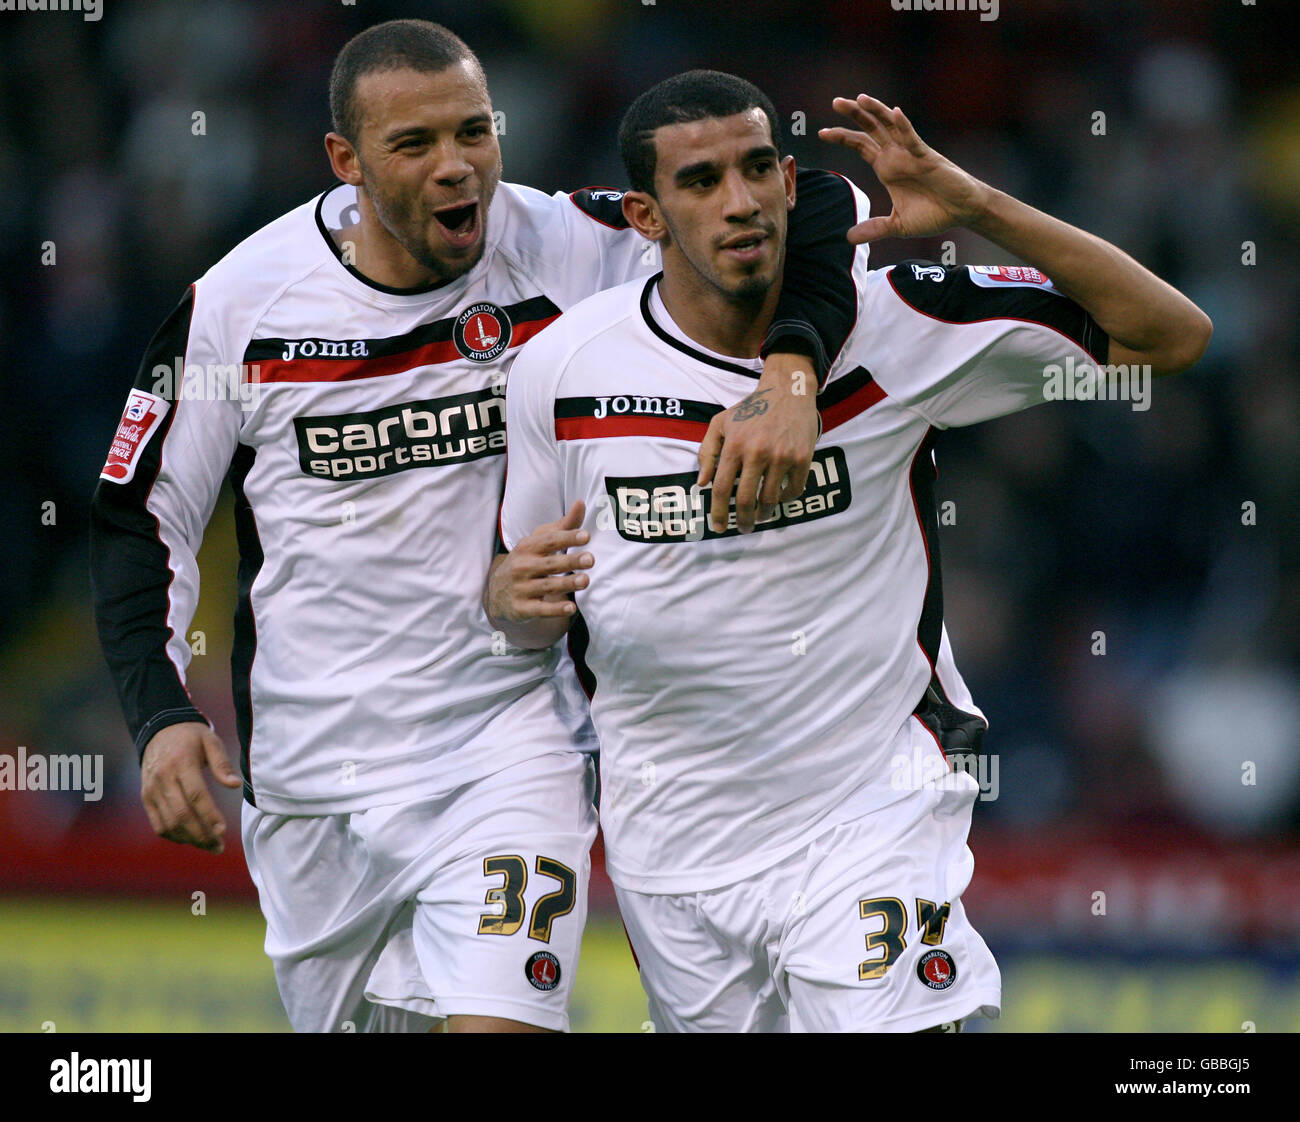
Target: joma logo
{"points": [[325, 348], [636, 404]]}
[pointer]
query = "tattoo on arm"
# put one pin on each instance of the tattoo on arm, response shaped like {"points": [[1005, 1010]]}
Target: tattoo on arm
{"points": [[755, 405]]}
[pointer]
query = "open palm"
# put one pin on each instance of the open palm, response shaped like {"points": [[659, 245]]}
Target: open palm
{"points": [[929, 193]]}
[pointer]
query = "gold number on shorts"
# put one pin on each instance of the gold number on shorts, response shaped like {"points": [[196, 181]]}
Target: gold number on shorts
{"points": [[889, 941], [931, 920], [550, 907], [508, 897]]}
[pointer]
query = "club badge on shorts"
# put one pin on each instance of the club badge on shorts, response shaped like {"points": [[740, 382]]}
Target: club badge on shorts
{"points": [[482, 332], [937, 970], [542, 971]]}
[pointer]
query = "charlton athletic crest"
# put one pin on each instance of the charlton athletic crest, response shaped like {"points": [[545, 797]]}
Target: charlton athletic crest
{"points": [[482, 332], [937, 970], [542, 971]]}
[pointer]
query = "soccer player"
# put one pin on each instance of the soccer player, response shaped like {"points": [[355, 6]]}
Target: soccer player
{"points": [[788, 844], [417, 813]]}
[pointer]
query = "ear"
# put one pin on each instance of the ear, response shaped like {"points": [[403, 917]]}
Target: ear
{"points": [[642, 213], [343, 158], [788, 170]]}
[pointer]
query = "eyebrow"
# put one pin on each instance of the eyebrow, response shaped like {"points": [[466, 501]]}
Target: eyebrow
{"points": [[420, 130], [690, 171]]}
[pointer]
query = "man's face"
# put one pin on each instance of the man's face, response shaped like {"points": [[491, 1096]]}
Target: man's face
{"points": [[724, 195], [430, 161]]}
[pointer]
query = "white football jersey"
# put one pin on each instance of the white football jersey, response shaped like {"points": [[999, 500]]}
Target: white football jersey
{"points": [[363, 659], [363, 431], [747, 689]]}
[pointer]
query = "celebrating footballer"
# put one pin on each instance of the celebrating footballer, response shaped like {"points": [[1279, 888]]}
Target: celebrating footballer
{"points": [[772, 871]]}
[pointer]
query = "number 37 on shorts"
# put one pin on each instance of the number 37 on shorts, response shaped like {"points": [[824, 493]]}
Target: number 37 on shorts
{"points": [[509, 903], [886, 945]]}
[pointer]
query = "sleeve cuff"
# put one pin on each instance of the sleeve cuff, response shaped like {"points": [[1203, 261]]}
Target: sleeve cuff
{"points": [[160, 721], [796, 337]]}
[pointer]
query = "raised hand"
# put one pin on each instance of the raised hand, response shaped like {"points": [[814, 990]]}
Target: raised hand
{"points": [[929, 193]]}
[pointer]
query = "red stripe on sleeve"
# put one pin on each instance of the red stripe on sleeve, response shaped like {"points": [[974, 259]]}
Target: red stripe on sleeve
{"points": [[593, 428], [857, 402]]}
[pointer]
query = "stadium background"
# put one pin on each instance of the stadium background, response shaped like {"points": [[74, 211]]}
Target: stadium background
{"points": [[1119, 773]]}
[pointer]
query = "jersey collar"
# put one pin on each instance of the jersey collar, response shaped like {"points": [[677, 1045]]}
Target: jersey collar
{"points": [[683, 345]]}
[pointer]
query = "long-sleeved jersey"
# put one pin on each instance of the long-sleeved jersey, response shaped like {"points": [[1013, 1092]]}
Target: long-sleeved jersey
{"points": [[721, 751], [363, 430]]}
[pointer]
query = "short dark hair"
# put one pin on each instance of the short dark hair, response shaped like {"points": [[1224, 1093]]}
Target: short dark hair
{"points": [[417, 44], [693, 96]]}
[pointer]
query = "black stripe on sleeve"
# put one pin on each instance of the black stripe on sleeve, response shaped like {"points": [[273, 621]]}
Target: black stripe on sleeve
{"points": [[819, 300], [130, 575], [929, 629], [244, 647], [948, 293], [958, 732], [844, 387], [579, 639]]}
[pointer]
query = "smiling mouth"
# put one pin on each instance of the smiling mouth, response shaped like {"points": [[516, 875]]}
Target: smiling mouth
{"points": [[459, 224]]}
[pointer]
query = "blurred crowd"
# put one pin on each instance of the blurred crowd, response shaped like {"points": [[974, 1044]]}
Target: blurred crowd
{"points": [[1164, 537]]}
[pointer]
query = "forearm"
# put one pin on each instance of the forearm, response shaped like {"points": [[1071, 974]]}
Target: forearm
{"points": [[818, 304], [137, 585], [1139, 311], [789, 374], [532, 635]]}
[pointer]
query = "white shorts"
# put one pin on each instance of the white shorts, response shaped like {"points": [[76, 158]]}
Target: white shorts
{"points": [[846, 935], [388, 919]]}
